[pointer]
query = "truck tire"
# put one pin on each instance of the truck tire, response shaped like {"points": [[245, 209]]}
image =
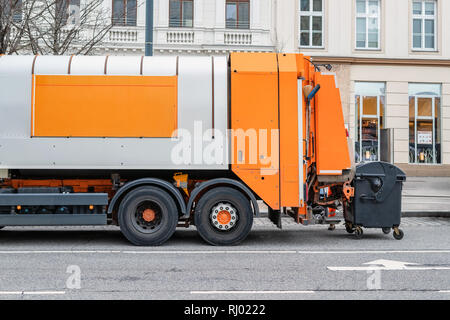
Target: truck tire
{"points": [[148, 216], [223, 217]]}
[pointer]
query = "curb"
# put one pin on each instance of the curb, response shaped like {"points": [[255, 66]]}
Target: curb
{"points": [[425, 214], [406, 214]]}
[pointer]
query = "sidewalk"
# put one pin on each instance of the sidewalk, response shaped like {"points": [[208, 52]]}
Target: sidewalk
{"points": [[422, 197], [426, 196]]}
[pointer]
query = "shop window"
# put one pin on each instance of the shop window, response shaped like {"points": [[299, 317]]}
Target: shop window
{"points": [[424, 123], [370, 104]]}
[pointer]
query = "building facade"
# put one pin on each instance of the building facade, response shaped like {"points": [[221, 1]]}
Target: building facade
{"points": [[391, 57], [191, 26]]}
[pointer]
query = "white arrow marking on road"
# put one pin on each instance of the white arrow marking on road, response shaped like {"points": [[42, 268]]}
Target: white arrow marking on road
{"points": [[390, 265]]}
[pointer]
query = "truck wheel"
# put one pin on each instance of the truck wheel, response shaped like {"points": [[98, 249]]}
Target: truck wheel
{"points": [[148, 216], [223, 217]]}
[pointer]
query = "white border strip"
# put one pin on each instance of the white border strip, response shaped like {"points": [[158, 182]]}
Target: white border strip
{"points": [[252, 292], [220, 252], [32, 292], [300, 140]]}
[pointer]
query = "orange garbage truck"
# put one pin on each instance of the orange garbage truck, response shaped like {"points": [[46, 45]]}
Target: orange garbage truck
{"points": [[155, 143]]}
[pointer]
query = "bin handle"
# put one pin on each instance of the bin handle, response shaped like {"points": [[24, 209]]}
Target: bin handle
{"points": [[366, 197]]}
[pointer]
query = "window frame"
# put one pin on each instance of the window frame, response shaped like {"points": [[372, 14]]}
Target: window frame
{"points": [[368, 16], [17, 11], [237, 2], [64, 6], [435, 133], [124, 19], [360, 115], [311, 13], [181, 24], [423, 17]]}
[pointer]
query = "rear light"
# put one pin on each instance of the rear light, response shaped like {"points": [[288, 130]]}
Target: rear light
{"points": [[346, 133]]}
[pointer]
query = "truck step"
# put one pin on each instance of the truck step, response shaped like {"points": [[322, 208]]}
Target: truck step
{"points": [[53, 219], [53, 199]]}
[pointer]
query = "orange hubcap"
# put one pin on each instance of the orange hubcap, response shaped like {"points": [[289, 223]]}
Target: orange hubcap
{"points": [[224, 217], [148, 215]]}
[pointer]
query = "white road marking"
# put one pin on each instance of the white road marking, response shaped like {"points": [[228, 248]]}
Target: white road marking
{"points": [[252, 292], [390, 265], [384, 268], [218, 252], [444, 291], [213, 252], [32, 292]]}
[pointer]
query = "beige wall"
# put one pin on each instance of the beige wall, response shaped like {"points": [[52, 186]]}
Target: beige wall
{"points": [[339, 33], [397, 79], [395, 43], [3, 173]]}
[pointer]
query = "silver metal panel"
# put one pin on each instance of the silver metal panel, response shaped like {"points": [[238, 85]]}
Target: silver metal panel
{"points": [[221, 106], [15, 99], [159, 66], [51, 65], [19, 151], [123, 66], [87, 65]]}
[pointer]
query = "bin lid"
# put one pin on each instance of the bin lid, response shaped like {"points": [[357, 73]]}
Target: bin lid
{"points": [[379, 169]]}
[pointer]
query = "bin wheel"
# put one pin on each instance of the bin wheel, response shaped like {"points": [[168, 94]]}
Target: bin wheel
{"points": [[223, 217], [332, 227], [349, 228], [386, 230], [359, 233], [398, 234]]}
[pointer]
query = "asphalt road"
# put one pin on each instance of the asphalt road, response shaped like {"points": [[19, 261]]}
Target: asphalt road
{"points": [[295, 263]]}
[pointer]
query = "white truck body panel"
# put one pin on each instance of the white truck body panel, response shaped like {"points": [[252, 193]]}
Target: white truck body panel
{"points": [[18, 150]]}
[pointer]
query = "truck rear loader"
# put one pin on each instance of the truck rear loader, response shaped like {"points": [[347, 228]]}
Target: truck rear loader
{"points": [[155, 143]]}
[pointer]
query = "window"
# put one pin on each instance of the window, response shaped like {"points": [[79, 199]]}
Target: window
{"points": [[181, 13], [67, 11], [311, 23], [11, 8], [424, 123], [424, 25], [238, 14], [367, 24], [17, 10], [124, 12], [370, 102]]}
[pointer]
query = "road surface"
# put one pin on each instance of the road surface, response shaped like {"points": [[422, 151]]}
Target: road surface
{"points": [[295, 263]]}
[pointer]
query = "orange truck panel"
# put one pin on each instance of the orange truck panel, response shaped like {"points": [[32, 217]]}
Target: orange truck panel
{"points": [[290, 155], [332, 154], [254, 111], [104, 106]]}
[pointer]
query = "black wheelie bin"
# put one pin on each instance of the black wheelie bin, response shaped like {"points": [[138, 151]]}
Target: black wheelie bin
{"points": [[377, 201]]}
